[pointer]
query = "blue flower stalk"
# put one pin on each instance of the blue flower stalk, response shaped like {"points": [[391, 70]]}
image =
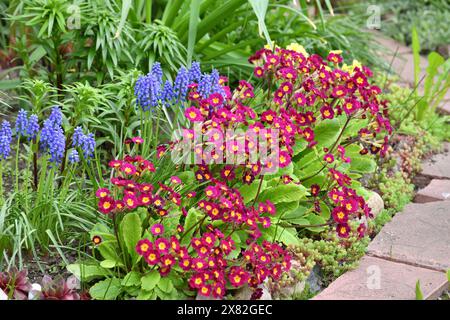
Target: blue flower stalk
{"points": [[5, 150], [86, 142]]}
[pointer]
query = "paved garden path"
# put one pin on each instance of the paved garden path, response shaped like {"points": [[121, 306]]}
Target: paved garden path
{"points": [[415, 244]]}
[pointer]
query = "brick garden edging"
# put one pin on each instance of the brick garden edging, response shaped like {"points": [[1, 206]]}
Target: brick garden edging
{"points": [[414, 245]]}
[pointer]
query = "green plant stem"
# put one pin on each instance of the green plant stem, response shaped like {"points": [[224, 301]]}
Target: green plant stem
{"points": [[261, 179], [116, 234], [1, 183], [16, 188], [35, 165]]}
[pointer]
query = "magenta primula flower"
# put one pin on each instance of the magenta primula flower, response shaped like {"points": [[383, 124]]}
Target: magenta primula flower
{"points": [[144, 246], [193, 114], [157, 229], [340, 215], [102, 193]]}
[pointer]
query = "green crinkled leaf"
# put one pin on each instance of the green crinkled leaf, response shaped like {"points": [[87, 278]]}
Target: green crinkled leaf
{"points": [[131, 231], [108, 289], [87, 272], [326, 132], [363, 164], [149, 281], [288, 170], [249, 191], [132, 278], [166, 285], [283, 193], [193, 216], [146, 295], [325, 211], [315, 220], [299, 146], [286, 207], [286, 236], [108, 264], [295, 214]]}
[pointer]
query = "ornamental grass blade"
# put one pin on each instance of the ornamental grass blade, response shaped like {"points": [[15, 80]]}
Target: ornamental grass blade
{"points": [[193, 23], [260, 9], [126, 6]]}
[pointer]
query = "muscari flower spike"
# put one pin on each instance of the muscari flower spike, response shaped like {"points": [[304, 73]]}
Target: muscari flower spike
{"points": [[21, 123], [5, 139], [147, 91], [85, 142], [32, 127], [157, 71], [53, 139], [181, 83], [74, 157], [195, 72], [56, 116]]}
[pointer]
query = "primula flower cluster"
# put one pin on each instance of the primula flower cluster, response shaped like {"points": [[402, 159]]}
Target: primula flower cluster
{"points": [[305, 90], [206, 255]]}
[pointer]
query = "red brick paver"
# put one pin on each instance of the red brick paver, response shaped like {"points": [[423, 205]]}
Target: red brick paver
{"points": [[379, 279], [437, 190], [420, 235]]}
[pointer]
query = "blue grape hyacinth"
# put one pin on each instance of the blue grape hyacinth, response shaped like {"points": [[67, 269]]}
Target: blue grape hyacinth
{"points": [[21, 123], [147, 91], [74, 157], [86, 142], [195, 73], [32, 127], [53, 140], [5, 139]]}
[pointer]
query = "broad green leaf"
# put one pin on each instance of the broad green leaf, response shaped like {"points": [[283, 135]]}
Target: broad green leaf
{"points": [[249, 191], [87, 272], [149, 281], [108, 289], [131, 231], [326, 132], [165, 284], [108, 264], [315, 220], [193, 216], [296, 214], [286, 207], [363, 164], [283, 193], [132, 278], [146, 295]]}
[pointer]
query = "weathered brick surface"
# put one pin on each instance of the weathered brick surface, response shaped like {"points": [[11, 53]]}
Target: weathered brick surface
{"points": [[420, 235], [439, 165], [437, 190], [380, 279]]}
